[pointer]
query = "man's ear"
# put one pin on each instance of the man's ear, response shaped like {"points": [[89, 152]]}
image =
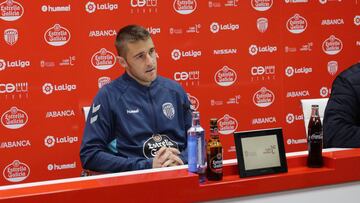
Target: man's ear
{"points": [[122, 61]]}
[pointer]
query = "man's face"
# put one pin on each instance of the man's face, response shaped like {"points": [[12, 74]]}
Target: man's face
{"points": [[140, 61]]}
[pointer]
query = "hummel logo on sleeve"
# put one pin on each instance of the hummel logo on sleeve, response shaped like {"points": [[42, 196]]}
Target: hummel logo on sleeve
{"points": [[94, 110]]}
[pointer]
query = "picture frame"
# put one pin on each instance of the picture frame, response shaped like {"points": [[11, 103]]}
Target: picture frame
{"points": [[260, 152]]}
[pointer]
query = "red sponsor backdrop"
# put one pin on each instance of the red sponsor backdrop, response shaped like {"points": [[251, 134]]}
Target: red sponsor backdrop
{"points": [[247, 63]]}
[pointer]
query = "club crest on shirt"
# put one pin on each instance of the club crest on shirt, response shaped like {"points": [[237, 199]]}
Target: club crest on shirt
{"points": [[155, 142], [168, 110]]}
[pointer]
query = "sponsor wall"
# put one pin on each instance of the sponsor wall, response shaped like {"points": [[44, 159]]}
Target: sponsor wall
{"points": [[247, 63]]}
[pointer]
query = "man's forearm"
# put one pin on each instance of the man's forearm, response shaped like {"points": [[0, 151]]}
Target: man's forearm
{"points": [[109, 163]]}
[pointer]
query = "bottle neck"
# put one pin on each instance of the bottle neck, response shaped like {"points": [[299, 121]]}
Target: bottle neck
{"points": [[195, 122], [315, 112], [214, 134]]}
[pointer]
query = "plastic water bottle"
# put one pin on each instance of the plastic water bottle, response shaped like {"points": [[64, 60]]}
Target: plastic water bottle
{"points": [[196, 148]]}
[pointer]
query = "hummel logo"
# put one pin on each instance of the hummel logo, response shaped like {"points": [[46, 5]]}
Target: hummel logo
{"points": [[94, 110], [132, 111]]}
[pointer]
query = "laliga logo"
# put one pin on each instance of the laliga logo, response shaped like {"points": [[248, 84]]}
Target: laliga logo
{"points": [[263, 97], [49, 141], [14, 118], [11, 10], [103, 59], [57, 35], [296, 24], [261, 5], [289, 71], [357, 20], [214, 27], [47, 88], [153, 30], [194, 102], [253, 50], [324, 92], [225, 76], [13, 64], [16, 171], [90, 7], [227, 125], [332, 45], [176, 54], [184, 7], [290, 118], [2, 64]]}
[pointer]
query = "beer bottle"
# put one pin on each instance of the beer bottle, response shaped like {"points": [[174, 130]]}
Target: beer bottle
{"points": [[214, 153], [315, 139], [196, 148]]}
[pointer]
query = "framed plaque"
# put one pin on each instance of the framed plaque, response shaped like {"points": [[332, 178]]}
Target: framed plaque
{"points": [[260, 152]]}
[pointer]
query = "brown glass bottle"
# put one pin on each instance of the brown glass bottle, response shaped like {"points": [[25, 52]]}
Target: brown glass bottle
{"points": [[315, 139], [214, 152]]}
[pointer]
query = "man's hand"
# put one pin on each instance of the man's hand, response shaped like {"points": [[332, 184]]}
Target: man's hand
{"points": [[167, 157]]}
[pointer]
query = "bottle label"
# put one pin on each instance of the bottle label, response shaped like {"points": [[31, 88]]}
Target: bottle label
{"points": [[316, 137], [196, 152], [201, 151], [192, 153], [216, 163]]}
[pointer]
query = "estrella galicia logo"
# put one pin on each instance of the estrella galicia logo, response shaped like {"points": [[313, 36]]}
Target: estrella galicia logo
{"points": [[155, 142], [168, 110]]}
